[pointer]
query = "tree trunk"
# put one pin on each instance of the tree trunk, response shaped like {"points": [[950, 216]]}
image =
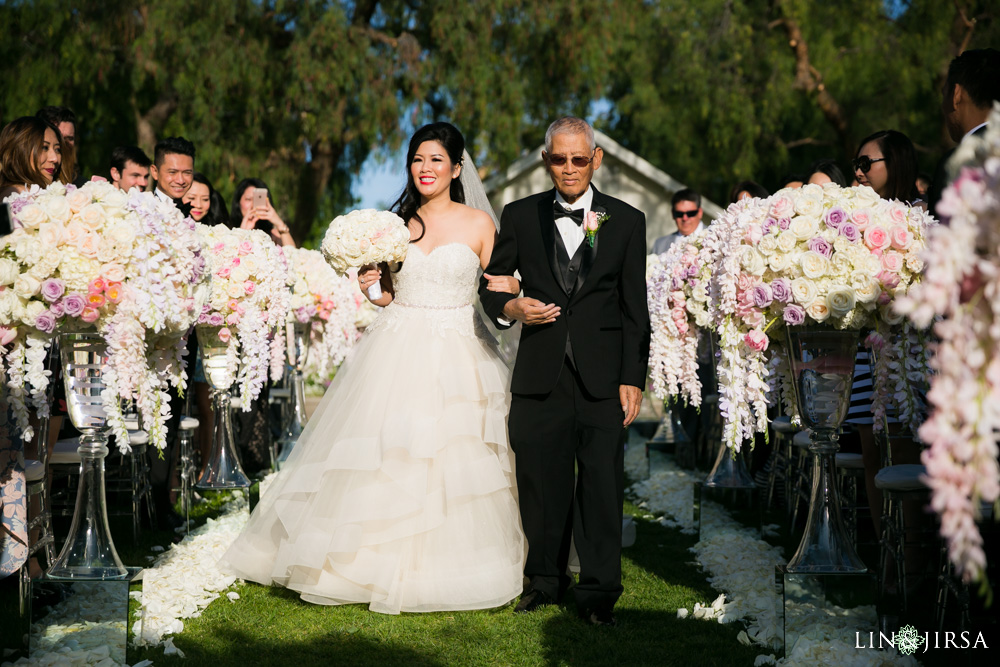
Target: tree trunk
{"points": [[313, 179]]}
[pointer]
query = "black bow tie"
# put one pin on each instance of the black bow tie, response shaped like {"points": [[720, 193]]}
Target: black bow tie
{"points": [[561, 211]]}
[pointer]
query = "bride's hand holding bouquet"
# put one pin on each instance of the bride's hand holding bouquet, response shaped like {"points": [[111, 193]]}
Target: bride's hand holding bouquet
{"points": [[363, 239]]}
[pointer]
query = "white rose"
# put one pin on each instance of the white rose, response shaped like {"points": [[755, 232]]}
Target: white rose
{"points": [[872, 264], [866, 288], [865, 197], [122, 232], [31, 216], [804, 227], [841, 244], [57, 209], [251, 264], [809, 203], [239, 274], [779, 262], [804, 291], [100, 189], [235, 290], [56, 188], [113, 272], [752, 261], [818, 310], [115, 200], [7, 301], [787, 241], [108, 251], [914, 262], [27, 249], [219, 300], [9, 271], [840, 263], [32, 310], [840, 300], [78, 199], [814, 265], [767, 245], [92, 216]]}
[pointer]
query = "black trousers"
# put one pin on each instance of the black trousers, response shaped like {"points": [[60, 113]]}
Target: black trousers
{"points": [[549, 434]]}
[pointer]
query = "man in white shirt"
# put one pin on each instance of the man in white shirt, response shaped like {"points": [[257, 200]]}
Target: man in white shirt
{"points": [[173, 169], [129, 168], [687, 213]]}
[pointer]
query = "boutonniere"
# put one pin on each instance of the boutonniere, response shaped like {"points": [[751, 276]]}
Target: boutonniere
{"points": [[593, 224]]}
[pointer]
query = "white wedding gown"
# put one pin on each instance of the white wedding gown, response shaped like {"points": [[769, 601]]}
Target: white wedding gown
{"points": [[400, 492]]}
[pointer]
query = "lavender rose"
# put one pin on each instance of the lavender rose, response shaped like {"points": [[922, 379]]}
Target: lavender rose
{"points": [[57, 309], [781, 290], [770, 224], [215, 319], [835, 217], [821, 246], [794, 314], [784, 223], [46, 322], [74, 304], [761, 295], [850, 231], [52, 289]]}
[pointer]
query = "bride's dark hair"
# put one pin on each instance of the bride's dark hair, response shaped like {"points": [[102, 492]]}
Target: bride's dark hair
{"points": [[448, 136]]}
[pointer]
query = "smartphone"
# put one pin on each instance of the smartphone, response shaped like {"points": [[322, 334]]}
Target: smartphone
{"points": [[260, 199]]}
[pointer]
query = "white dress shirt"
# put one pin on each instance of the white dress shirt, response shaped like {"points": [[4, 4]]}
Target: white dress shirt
{"points": [[162, 195], [572, 234], [975, 129]]}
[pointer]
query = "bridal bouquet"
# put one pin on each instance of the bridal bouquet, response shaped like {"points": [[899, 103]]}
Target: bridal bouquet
{"points": [[826, 254], [365, 237], [677, 293], [248, 301], [128, 266], [325, 301], [960, 297]]}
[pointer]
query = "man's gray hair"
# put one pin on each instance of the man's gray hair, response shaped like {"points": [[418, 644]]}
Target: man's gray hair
{"points": [[569, 125]]}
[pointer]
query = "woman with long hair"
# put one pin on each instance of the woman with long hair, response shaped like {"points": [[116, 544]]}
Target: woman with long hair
{"points": [[886, 161], [400, 493], [244, 214], [30, 154], [207, 205]]}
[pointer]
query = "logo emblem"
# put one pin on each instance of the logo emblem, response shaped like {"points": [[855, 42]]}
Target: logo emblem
{"points": [[908, 640]]}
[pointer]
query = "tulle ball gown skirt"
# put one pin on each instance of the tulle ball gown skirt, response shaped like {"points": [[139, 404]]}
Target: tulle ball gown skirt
{"points": [[400, 493]]}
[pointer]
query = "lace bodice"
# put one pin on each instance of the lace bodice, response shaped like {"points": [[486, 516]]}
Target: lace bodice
{"points": [[435, 289]]}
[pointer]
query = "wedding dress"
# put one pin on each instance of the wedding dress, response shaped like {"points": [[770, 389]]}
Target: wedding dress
{"points": [[400, 492]]}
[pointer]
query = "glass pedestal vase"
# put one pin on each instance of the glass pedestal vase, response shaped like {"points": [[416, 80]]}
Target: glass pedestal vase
{"points": [[822, 365], [89, 552], [223, 470], [297, 348]]}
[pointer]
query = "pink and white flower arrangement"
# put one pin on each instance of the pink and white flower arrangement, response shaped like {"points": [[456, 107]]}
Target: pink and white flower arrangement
{"points": [[959, 297], [248, 300], [126, 265], [363, 237], [326, 301], [831, 255]]}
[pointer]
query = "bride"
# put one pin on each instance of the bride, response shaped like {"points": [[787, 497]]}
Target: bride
{"points": [[400, 492]]}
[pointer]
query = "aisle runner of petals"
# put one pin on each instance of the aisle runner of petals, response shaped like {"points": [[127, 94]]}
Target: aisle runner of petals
{"points": [[741, 565]]}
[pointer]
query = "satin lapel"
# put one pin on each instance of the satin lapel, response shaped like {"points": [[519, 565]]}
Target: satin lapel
{"points": [[547, 224], [589, 252]]}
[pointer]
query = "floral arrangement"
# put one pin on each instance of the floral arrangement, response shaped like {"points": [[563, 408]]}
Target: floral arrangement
{"points": [[248, 301], [128, 266], [960, 297], [365, 237], [325, 301]]}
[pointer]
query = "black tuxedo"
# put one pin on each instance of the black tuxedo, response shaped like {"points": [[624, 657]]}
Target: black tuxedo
{"points": [[941, 181], [565, 410]]}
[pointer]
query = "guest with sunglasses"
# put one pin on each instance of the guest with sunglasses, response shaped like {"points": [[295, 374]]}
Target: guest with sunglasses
{"points": [[887, 163], [687, 214]]}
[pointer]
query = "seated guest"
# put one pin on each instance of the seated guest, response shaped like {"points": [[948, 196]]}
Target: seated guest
{"points": [[207, 206], [745, 189], [686, 206], [245, 215], [29, 155], [129, 168], [173, 169], [826, 171], [64, 120]]}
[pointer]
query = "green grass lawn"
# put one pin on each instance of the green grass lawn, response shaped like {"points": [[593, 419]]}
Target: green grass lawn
{"points": [[272, 626]]}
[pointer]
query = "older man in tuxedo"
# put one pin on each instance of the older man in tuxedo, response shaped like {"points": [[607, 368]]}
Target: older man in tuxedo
{"points": [[580, 367]]}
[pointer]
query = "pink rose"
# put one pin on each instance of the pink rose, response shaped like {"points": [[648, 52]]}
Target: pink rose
{"points": [[90, 315], [249, 286], [223, 272], [233, 319], [782, 207], [888, 279], [753, 234], [901, 237], [591, 224], [96, 286], [745, 282], [897, 214], [225, 334], [246, 247], [892, 261], [861, 218], [756, 340], [218, 247], [877, 237]]}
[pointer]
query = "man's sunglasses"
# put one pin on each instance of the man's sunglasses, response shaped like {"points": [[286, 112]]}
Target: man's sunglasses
{"points": [[864, 163], [685, 214], [577, 160]]}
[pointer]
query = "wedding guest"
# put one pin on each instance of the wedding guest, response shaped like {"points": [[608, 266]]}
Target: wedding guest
{"points": [[886, 161], [971, 88], [245, 215], [64, 120], [687, 213], [173, 169], [129, 168], [826, 171], [793, 181], [745, 189], [29, 155], [207, 205], [923, 185]]}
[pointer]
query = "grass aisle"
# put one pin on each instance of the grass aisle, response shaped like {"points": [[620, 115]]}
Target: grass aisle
{"points": [[270, 626]]}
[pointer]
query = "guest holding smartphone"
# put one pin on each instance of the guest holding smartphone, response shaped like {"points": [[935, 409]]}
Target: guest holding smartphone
{"points": [[253, 208]]}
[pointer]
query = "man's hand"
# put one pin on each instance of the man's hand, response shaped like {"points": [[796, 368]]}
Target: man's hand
{"points": [[531, 311], [630, 397]]}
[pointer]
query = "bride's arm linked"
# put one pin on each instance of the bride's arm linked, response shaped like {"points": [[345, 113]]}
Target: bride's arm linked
{"points": [[504, 284]]}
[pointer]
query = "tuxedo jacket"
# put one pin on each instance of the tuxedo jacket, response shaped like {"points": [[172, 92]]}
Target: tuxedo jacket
{"points": [[940, 181], [604, 322]]}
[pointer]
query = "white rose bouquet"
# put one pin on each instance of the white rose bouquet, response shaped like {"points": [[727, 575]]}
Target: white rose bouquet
{"points": [[128, 265], [365, 237], [249, 300]]}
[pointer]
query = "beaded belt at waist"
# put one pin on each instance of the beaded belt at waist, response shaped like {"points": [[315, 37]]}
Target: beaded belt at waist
{"points": [[429, 307]]}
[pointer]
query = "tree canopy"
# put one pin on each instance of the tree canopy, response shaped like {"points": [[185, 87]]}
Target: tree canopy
{"points": [[300, 93]]}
